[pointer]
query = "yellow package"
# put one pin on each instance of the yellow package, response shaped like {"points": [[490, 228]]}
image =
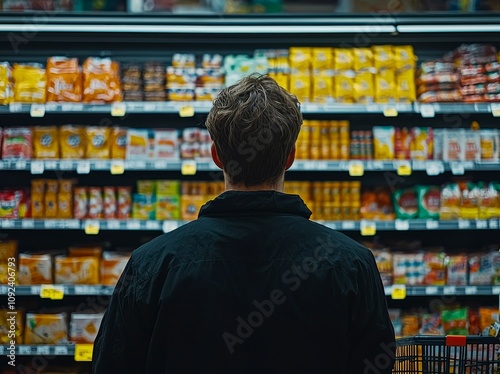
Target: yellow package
{"points": [[147, 187], [8, 251], [83, 328], [300, 86], [383, 142], [65, 206], [76, 270], [5, 83], [167, 207], [46, 142], [37, 205], [300, 59], [5, 333], [29, 83], [322, 61], [46, 329], [112, 266], [364, 88], [35, 269], [190, 206], [38, 186], [404, 57], [72, 142], [383, 57], [283, 80], [98, 142], [363, 59], [344, 87], [118, 143], [405, 86], [342, 59], [322, 89], [385, 86], [51, 205]]}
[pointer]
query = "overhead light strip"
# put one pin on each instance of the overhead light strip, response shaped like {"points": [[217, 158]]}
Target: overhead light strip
{"points": [[196, 29], [447, 28]]}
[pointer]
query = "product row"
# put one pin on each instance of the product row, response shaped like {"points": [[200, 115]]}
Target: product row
{"points": [[332, 140]]}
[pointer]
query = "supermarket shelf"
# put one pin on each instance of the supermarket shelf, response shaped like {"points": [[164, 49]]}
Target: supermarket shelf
{"points": [[444, 290], [364, 226], [119, 166], [67, 290], [40, 350]]}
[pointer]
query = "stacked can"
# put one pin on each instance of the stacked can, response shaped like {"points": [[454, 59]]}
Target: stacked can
{"points": [[361, 145]]}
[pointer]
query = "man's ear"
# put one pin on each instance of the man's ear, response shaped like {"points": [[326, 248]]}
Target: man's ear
{"points": [[290, 159], [215, 157]]}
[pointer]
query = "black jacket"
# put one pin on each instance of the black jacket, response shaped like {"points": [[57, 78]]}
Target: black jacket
{"points": [[251, 286]]}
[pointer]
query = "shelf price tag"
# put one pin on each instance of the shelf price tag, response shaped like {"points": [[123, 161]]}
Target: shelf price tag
{"points": [[37, 110], [188, 167], [49, 291], [15, 107], [356, 169], [92, 227], [83, 167], [481, 224], [427, 111], [390, 111], [83, 352], [431, 290], [118, 109], [495, 110], [398, 292], [368, 228], [404, 168], [117, 167], [463, 224], [431, 224], [402, 225], [60, 350], [470, 290], [186, 111], [434, 168], [37, 167], [457, 168], [43, 350], [169, 226]]}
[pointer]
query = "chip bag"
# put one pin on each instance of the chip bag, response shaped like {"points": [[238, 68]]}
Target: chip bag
{"points": [[322, 89], [344, 87], [450, 202], [405, 86], [72, 142], [364, 88], [383, 141], [405, 203], [46, 142], [322, 61], [64, 80], [29, 83], [383, 57], [98, 142], [101, 80], [404, 57], [5, 83], [300, 86], [385, 86], [363, 59], [455, 321], [300, 59], [118, 143], [342, 59], [422, 143], [429, 198], [17, 143]]}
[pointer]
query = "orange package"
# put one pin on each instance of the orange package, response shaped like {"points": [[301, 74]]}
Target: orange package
{"points": [[124, 201], [64, 80], [72, 142], [376, 205], [46, 142], [101, 80], [98, 142], [35, 269], [8, 251], [5, 328], [118, 143], [112, 266], [83, 328], [85, 251], [46, 328], [76, 270], [51, 199]]}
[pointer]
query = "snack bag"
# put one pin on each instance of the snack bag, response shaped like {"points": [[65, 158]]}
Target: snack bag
{"points": [[300, 86], [422, 142], [404, 57], [364, 88], [110, 204], [166, 144], [17, 143], [143, 206], [112, 266], [435, 268], [300, 59], [344, 87], [450, 202], [405, 86], [51, 199], [5, 327], [72, 142], [405, 203], [454, 145], [457, 271], [322, 61], [81, 202], [383, 57], [46, 329], [124, 197], [408, 268], [363, 59], [487, 316], [470, 197], [428, 201], [64, 80], [190, 206], [96, 205], [385, 86], [46, 142], [376, 205], [488, 200], [101, 80], [342, 59], [5, 83], [438, 153], [431, 324], [98, 142], [481, 269], [35, 269], [30, 83], [8, 250], [76, 270], [489, 145], [167, 187], [402, 144], [167, 207], [383, 141], [322, 89], [137, 144], [118, 143], [146, 187], [472, 146], [65, 205], [455, 322], [83, 328]]}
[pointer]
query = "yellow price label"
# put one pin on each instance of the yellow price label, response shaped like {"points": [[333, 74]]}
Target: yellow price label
{"points": [[404, 169], [118, 109], [37, 110], [390, 112], [188, 167], [83, 352], [117, 167], [398, 292], [186, 111], [368, 228], [356, 169], [48, 291], [92, 227]]}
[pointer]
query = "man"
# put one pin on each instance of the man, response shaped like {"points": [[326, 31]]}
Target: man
{"points": [[251, 286]]}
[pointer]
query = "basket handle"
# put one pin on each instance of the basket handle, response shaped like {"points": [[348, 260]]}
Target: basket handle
{"points": [[456, 340]]}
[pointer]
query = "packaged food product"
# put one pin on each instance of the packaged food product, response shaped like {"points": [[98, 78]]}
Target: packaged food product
{"points": [[344, 87], [181, 75], [385, 86], [181, 92], [184, 60], [428, 201], [383, 141], [363, 59], [65, 205], [29, 83], [431, 324], [410, 325], [405, 203], [487, 316], [404, 57], [5, 337], [422, 142], [72, 142], [454, 145], [5, 83], [118, 143], [322, 61], [455, 322], [8, 250], [101, 80], [190, 206], [98, 142], [300, 59], [364, 88], [83, 328], [438, 153], [209, 93], [408, 268], [51, 199], [46, 328], [376, 205], [435, 268], [46, 142], [322, 89], [470, 198], [112, 266], [76, 270], [81, 202], [143, 206], [489, 200], [211, 61], [64, 80], [402, 143], [481, 268], [300, 86], [9, 203], [383, 258], [167, 207], [17, 143], [450, 202], [110, 204], [137, 144], [405, 86], [95, 206], [166, 144], [472, 145], [37, 205], [124, 197], [167, 187], [383, 57], [489, 145], [343, 59], [146, 187], [35, 269]]}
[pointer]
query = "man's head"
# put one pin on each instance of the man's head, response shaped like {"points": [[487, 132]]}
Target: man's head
{"points": [[254, 125]]}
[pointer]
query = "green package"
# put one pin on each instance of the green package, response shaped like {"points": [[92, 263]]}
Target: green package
{"points": [[405, 203], [428, 201], [455, 321]]}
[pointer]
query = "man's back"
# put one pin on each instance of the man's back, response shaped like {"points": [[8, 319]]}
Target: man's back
{"points": [[252, 286]]}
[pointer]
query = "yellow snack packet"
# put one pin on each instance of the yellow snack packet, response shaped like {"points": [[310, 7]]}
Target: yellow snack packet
{"points": [[343, 59], [300, 86], [322, 61], [404, 57], [405, 86], [72, 142], [46, 142], [383, 142], [322, 89], [344, 87], [364, 87], [363, 58], [385, 86], [5, 336], [30, 83], [98, 142], [283, 80], [5, 83], [300, 59], [383, 57], [76, 270], [118, 143]]}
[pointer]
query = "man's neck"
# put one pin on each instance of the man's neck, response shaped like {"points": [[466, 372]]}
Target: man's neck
{"points": [[259, 187]]}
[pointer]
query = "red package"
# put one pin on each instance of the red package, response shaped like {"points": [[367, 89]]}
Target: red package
{"points": [[471, 70], [443, 96], [437, 87], [493, 88], [81, 200], [477, 89], [433, 78], [474, 99], [11, 204], [124, 202], [492, 67], [494, 76], [95, 203], [492, 97], [476, 79], [402, 144], [109, 203], [17, 143], [437, 67]]}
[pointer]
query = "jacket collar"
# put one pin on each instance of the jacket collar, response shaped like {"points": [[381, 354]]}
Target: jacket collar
{"points": [[255, 202]]}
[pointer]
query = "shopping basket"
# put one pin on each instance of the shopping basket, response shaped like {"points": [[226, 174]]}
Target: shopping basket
{"points": [[447, 354]]}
